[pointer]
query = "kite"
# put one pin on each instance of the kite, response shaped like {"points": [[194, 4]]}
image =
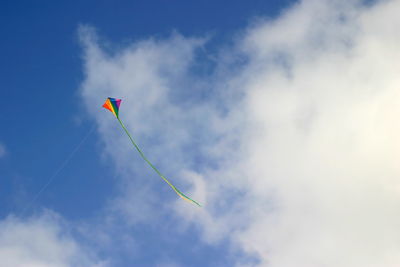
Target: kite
{"points": [[112, 105]]}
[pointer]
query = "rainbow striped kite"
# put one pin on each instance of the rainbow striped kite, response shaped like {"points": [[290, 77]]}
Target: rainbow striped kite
{"points": [[112, 105]]}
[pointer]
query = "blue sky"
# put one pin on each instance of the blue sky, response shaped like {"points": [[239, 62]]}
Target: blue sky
{"points": [[42, 71], [45, 118], [278, 116]]}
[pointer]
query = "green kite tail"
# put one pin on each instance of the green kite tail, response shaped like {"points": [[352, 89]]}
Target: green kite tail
{"points": [[112, 105], [177, 191]]}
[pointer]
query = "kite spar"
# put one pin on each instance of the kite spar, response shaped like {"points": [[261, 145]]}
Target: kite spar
{"points": [[112, 105]]}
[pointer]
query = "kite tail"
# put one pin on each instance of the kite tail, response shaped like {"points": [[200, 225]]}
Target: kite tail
{"points": [[179, 193]]}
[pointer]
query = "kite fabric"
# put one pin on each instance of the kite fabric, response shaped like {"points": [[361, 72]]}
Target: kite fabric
{"points": [[112, 105]]}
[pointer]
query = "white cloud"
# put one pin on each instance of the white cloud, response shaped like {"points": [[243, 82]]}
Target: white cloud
{"points": [[305, 133], [143, 76], [39, 242]]}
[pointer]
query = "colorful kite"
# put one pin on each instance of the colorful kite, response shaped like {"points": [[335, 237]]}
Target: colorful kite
{"points": [[112, 105]]}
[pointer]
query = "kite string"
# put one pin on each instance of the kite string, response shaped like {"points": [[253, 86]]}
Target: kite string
{"points": [[177, 191], [60, 168]]}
